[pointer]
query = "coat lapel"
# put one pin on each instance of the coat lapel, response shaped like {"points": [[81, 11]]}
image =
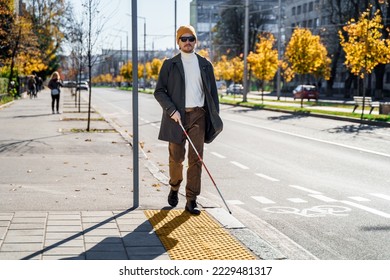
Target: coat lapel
{"points": [[177, 60], [203, 72]]}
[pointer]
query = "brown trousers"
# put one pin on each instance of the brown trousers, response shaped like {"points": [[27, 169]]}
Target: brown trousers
{"points": [[195, 127]]}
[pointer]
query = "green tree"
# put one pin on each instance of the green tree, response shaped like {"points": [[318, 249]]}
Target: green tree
{"points": [[229, 31], [50, 20]]}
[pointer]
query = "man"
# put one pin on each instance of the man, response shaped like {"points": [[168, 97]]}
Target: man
{"points": [[187, 92]]}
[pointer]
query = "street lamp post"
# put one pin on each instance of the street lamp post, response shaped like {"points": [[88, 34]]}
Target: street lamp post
{"points": [[135, 106], [279, 42], [246, 43], [278, 80], [174, 31], [127, 44], [144, 56]]}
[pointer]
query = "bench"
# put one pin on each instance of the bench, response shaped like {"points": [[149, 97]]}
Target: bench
{"points": [[359, 100]]}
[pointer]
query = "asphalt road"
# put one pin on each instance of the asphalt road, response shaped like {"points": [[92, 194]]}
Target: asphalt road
{"points": [[311, 187]]}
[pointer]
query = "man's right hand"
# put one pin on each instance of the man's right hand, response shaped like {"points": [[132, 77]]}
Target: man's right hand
{"points": [[176, 116]]}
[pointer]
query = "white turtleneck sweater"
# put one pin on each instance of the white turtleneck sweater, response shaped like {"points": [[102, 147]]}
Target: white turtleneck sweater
{"points": [[193, 81]]}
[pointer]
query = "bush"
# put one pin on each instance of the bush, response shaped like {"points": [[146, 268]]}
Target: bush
{"points": [[3, 85]]}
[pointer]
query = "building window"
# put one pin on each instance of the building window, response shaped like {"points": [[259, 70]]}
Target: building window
{"points": [[311, 6], [310, 23], [305, 8], [299, 10], [293, 11]]}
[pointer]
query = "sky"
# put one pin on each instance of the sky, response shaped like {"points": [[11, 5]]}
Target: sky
{"points": [[160, 22]]}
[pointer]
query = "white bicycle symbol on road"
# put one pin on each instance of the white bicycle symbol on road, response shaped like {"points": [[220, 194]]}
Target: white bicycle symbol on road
{"points": [[316, 211]]}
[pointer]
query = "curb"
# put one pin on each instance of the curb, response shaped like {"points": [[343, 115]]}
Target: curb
{"points": [[318, 115]]}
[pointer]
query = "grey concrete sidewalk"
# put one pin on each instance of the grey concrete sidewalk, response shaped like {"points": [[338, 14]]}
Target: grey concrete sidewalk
{"points": [[66, 193], [78, 235]]}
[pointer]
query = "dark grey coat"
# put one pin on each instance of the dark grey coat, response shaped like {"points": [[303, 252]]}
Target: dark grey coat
{"points": [[170, 93]]}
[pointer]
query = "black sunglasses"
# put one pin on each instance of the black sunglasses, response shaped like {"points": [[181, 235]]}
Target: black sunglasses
{"points": [[190, 38]]}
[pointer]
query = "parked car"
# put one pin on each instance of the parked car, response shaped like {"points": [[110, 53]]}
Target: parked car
{"points": [[235, 89], [69, 84], [82, 85], [306, 92]]}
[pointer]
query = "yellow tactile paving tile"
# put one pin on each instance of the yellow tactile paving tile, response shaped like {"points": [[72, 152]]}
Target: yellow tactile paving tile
{"points": [[188, 237]]}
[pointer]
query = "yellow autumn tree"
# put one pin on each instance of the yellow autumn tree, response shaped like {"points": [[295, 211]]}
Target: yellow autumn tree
{"points": [[204, 53], [305, 54], [364, 45], [148, 67], [264, 62], [127, 71], [156, 65], [222, 69], [237, 69]]}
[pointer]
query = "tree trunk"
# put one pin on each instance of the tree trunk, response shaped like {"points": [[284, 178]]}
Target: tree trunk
{"points": [[14, 51], [379, 78]]}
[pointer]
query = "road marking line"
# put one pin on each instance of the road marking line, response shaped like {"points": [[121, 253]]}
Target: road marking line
{"points": [[323, 198], [387, 197], [267, 177], [309, 138], [305, 189], [358, 198], [368, 209], [217, 155], [263, 200], [297, 200], [239, 165], [235, 202]]}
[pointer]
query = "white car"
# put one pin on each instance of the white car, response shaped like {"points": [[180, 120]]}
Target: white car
{"points": [[235, 89], [82, 85]]}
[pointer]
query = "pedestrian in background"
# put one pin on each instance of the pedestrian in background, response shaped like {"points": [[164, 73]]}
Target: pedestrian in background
{"points": [[54, 85], [31, 86], [187, 92]]}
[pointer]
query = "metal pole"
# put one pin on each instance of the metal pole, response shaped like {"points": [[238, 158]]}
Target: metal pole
{"points": [[127, 47], [174, 31], [144, 73], [135, 103], [246, 42], [89, 62], [279, 47]]}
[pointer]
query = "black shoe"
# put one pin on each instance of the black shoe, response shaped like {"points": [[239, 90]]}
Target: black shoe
{"points": [[173, 199], [192, 207]]}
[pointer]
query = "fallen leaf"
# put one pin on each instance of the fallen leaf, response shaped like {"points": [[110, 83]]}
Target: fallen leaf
{"points": [[104, 173], [88, 140]]}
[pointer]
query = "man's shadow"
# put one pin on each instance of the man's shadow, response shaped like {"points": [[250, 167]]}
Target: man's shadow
{"points": [[143, 243]]}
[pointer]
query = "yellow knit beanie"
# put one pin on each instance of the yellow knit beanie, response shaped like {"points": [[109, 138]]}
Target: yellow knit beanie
{"points": [[183, 30]]}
